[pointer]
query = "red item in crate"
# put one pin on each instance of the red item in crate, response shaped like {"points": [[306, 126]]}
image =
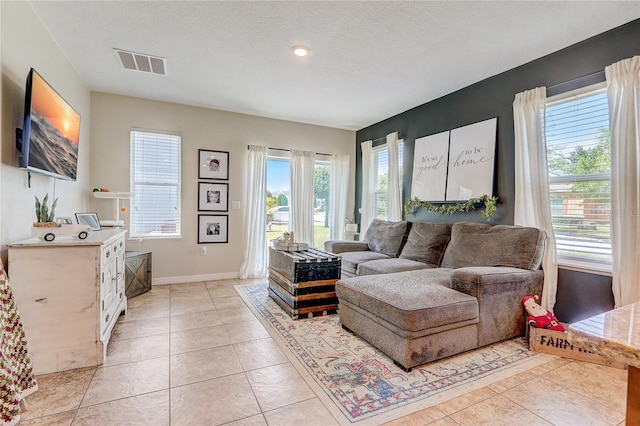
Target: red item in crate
{"points": [[539, 317]]}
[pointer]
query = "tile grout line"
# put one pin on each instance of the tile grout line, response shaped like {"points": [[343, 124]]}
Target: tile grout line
{"points": [[169, 317], [565, 388], [546, 374], [244, 374], [505, 392], [75, 413], [525, 408], [288, 361], [169, 384], [120, 399]]}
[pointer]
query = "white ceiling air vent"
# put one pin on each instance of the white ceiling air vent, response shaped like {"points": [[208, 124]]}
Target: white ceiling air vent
{"points": [[141, 62]]}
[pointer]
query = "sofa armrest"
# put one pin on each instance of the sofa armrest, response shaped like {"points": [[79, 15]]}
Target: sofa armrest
{"points": [[342, 246], [499, 291]]}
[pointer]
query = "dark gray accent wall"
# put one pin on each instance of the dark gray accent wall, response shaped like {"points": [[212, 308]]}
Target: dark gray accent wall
{"points": [[582, 295], [569, 68]]}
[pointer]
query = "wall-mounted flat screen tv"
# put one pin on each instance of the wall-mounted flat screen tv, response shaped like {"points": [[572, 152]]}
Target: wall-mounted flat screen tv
{"points": [[51, 131]]}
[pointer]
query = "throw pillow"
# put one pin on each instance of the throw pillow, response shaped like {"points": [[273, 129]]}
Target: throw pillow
{"points": [[426, 242], [386, 237]]}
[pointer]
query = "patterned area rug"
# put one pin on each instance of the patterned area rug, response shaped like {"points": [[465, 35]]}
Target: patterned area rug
{"points": [[362, 382]]}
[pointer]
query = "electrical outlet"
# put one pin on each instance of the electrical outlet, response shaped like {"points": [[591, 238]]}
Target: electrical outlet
{"points": [[203, 250], [235, 205]]}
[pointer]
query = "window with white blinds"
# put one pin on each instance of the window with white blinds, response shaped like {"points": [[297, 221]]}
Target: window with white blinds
{"points": [[579, 163], [155, 184], [381, 176]]}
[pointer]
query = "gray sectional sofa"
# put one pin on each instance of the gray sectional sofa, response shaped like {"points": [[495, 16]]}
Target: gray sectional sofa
{"points": [[425, 291]]}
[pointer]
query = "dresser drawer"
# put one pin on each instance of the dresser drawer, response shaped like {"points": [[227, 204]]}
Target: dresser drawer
{"points": [[112, 250]]}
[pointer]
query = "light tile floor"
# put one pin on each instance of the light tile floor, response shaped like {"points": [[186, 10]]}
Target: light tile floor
{"points": [[194, 354]]}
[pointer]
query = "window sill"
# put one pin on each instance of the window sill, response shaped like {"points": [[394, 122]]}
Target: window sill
{"points": [[581, 266], [159, 237]]}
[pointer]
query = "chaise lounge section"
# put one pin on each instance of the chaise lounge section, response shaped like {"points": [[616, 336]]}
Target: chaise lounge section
{"points": [[447, 290]]}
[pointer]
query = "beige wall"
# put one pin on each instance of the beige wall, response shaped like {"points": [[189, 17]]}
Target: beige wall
{"points": [[25, 43], [104, 151], [180, 260]]}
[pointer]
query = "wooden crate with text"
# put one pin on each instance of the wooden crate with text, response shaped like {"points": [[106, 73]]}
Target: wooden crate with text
{"points": [[556, 343]]}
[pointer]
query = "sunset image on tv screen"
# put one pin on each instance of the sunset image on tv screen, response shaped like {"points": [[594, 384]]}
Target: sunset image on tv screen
{"points": [[55, 131]]}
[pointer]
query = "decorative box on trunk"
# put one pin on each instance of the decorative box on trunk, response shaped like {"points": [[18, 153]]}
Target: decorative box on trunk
{"points": [[556, 343], [303, 282]]}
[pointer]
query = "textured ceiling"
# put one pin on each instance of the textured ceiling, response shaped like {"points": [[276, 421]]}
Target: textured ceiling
{"points": [[368, 60]]}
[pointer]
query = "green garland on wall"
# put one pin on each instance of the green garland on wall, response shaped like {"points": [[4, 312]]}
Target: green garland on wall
{"points": [[488, 202]]}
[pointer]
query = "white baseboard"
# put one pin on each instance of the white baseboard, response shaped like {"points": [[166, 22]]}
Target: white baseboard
{"points": [[194, 278]]}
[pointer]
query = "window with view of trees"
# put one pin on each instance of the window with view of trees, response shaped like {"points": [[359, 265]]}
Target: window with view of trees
{"points": [[381, 176], [579, 164], [278, 192]]}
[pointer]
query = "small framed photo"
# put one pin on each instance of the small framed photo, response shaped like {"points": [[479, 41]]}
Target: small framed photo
{"points": [[213, 164], [213, 228], [90, 219], [213, 197]]}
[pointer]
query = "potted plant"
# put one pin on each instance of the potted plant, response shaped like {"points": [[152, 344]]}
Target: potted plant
{"points": [[44, 217]]}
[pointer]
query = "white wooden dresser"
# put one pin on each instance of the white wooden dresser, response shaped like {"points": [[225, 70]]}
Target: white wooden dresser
{"points": [[69, 293]]}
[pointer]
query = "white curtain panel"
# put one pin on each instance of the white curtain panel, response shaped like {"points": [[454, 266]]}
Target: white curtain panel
{"points": [[255, 238], [623, 89], [302, 195], [394, 201], [366, 200], [339, 180], [531, 204]]}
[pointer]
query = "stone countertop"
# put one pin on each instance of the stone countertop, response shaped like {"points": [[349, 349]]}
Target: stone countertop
{"points": [[614, 334]]}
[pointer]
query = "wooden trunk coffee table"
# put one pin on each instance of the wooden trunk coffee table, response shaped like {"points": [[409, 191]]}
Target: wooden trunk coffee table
{"points": [[302, 283]]}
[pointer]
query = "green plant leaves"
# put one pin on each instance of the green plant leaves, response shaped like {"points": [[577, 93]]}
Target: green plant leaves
{"points": [[488, 202], [42, 209]]}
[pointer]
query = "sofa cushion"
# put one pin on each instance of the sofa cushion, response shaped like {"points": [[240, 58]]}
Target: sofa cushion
{"points": [[426, 242], [388, 266], [412, 301], [351, 259], [386, 237], [478, 244], [341, 246]]}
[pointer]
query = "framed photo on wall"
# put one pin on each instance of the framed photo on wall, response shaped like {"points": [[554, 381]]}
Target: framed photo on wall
{"points": [[213, 164], [213, 197], [213, 228]]}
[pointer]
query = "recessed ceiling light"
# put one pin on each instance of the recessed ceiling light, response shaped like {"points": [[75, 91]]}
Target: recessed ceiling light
{"points": [[300, 50]]}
